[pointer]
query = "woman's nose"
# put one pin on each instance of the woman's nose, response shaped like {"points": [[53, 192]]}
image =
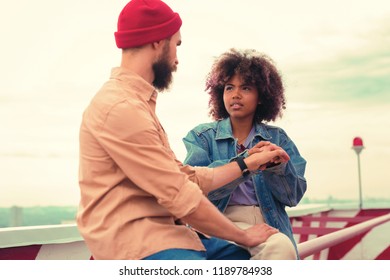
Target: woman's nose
{"points": [[236, 94]]}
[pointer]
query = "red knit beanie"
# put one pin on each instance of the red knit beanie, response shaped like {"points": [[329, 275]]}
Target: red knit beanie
{"points": [[145, 21]]}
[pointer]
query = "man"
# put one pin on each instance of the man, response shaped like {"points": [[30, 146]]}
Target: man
{"points": [[137, 200]]}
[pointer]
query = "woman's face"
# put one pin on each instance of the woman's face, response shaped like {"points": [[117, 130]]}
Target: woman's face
{"points": [[240, 99]]}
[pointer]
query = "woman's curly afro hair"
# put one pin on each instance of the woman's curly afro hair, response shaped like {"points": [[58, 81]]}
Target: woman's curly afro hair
{"points": [[254, 68]]}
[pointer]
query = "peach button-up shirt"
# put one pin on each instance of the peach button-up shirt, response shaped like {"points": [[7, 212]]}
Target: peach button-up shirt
{"points": [[133, 188]]}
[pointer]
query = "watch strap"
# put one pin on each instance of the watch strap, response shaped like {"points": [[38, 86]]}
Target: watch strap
{"points": [[244, 168]]}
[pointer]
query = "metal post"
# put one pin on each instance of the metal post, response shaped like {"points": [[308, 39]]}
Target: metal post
{"points": [[360, 184]]}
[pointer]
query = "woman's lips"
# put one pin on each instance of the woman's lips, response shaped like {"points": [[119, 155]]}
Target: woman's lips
{"points": [[236, 105]]}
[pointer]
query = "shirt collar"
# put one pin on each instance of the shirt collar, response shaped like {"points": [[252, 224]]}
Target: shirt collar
{"points": [[224, 130], [144, 89]]}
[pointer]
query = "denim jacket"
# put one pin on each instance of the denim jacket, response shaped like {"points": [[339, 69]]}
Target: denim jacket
{"points": [[212, 144]]}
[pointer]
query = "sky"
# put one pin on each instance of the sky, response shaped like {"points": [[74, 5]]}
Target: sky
{"points": [[334, 57]]}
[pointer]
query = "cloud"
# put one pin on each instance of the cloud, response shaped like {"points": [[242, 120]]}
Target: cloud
{"points": [[363, 77], [356, 75]]}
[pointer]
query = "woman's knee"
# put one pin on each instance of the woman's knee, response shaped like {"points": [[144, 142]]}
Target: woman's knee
{"points": [[277, 247]]}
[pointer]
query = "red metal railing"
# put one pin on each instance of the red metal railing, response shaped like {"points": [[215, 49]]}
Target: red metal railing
{"points": [[320, 234], [318, 244]]}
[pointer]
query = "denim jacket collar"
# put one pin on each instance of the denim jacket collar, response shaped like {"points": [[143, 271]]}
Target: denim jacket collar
{"points": [[224, 130]]}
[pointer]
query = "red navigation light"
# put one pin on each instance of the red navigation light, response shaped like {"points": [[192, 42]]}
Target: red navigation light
{"points": [[357, 142]]}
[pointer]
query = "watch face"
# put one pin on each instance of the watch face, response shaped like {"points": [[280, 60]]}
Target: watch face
{"points": [[245, 172]]}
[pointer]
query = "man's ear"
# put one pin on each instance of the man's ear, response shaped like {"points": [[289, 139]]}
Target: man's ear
{"points": [[156, 45]]}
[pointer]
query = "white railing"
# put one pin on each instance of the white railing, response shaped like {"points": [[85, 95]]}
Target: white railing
{"points": [[25, 236]]}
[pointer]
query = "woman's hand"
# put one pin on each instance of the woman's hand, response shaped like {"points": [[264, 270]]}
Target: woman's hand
{"points": [[265, 154]]}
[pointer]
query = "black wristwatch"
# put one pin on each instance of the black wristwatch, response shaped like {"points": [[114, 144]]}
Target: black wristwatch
{"points": [[244, 168]]}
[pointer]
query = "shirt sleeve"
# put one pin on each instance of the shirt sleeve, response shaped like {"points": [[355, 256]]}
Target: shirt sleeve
{"points": [[132, 136]]}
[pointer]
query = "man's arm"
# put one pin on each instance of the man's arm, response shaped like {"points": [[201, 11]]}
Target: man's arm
{"points": [[256, 160], [209, 220]]}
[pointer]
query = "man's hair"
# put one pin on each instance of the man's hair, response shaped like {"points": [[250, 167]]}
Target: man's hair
{"points": [[254, 68]]}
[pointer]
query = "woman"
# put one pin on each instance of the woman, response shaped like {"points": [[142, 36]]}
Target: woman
{"points": [[246, 92]]}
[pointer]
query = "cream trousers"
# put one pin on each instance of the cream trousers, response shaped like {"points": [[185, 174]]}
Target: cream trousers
{"points": [[277, 247]]}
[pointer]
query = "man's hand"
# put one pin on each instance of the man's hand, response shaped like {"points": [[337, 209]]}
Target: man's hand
{"points": [[258, 147], [257, 234]]}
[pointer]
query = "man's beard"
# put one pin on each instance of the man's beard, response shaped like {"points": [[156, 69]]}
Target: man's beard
{"points": [[163, 71]]}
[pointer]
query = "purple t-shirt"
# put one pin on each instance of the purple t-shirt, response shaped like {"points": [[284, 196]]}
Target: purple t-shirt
{"points": [[245, 194]]}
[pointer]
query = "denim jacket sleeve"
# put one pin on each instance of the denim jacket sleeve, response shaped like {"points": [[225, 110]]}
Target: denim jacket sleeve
{"points": [[286, 181], [198, 151]]}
